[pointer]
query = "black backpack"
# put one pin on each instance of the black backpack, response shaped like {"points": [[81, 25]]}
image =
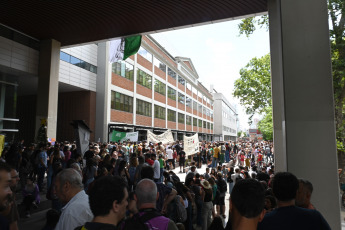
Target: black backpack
{"points": [[138, 222]]}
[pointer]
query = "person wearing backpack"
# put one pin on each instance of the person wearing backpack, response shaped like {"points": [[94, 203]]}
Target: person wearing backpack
{"points": [[147, 218], [222, 187]]}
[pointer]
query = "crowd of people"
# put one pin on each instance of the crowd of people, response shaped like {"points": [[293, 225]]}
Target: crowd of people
{"points": [[143, 185]]}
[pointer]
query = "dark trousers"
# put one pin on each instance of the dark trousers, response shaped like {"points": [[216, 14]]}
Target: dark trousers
{"points": [[41, 172], [28, 202]]}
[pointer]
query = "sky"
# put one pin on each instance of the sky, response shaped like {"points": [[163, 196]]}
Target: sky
{"points": [[218, 53]]}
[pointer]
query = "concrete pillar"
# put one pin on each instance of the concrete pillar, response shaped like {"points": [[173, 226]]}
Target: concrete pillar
{"points": [[303, 107], [103, 92], [48, 86]]}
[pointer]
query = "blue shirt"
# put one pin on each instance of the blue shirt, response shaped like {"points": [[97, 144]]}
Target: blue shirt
{"points": [[43, 156]]}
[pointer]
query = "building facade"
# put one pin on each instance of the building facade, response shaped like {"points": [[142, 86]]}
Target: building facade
{"points": [[154, 91], [225, 115]]}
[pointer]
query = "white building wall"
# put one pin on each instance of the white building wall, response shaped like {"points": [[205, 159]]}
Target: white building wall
{"points": [[76, 76], [18, 56]]}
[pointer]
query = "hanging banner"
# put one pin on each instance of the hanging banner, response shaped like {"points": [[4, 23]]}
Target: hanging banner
{"points": [[123, 136], [191, 144], [165, 137]]}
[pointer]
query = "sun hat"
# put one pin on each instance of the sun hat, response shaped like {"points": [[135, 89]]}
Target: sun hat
{"points": [[205, 184]]}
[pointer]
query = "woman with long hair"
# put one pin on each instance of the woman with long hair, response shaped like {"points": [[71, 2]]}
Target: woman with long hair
{"points": [[207, 207]]}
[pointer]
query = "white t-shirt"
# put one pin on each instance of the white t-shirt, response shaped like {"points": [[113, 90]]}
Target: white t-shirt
{"points": [[156, 169], [170, 154]]}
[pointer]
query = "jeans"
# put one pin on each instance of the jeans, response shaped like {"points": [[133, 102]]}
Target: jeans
{"points": [[214, 162], [161, 173], [199, 205], [227, 156]]}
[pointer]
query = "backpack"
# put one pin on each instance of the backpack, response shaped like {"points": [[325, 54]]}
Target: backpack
{"points": [[138, 222], [181, 212]]}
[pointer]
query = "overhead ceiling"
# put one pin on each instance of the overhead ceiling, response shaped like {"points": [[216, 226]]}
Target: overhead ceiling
{"points": [[82, 21]]}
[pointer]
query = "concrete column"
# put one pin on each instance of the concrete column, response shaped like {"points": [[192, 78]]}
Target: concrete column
{"points": [[48, 85], [103, 92], [303, 107]]}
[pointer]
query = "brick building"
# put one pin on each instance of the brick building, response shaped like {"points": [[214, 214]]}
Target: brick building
{"points": [[153, 90]]}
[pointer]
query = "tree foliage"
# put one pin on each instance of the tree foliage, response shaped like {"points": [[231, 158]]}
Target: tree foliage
{"points": [[336, 10], [253, 88], [265, 125]]}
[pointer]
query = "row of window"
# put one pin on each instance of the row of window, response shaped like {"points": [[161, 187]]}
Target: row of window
{"points": [[125, 70], [125, 103], [230, 130], [148, 56], [78, 62]]}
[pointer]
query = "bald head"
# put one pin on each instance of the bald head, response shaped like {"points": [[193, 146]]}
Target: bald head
{"points": [[146, 192]]}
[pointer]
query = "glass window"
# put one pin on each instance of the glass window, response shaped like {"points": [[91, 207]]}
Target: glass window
{"points": [[171, 115], [189, 86], [144, 108], [65, 57], [204, 97], [199, 108], [144, 79], [195, 122], [181, 98], [211, 126], [93, 69], [159, 112], [145, 54], [211, 112], [171, 73], [200, 123], [123, 69], [160, 87], [181, 118], [208, 125], [194, 90], [160, 64], [203, 110], [188, 120], [195, 105], [121, 102], [181, 80], [171, 93], [189, 102], [75, 61], [204, 124]]}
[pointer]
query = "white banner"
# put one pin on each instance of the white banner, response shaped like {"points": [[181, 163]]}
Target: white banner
{"points": [[165, 137], [191, 144], [132, 136]]}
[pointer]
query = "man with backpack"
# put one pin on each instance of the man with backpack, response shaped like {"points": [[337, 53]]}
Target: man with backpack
{"points": [[148, 218]]}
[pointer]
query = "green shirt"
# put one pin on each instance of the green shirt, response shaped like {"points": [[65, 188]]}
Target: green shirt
{"points": [[161, 163]]}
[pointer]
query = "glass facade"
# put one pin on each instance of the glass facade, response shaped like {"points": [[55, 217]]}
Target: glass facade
{"points": [[189, 102], [181, 80], [78, 62], [160, 65], [195, 122], [171, 93], [159, 112], [171, 115], [144, 108], [181, 98], [145, 54], [188, 120], [123, 69], [121, 102], [160, 87], [171, 73], [181, 118], [144, 79]]}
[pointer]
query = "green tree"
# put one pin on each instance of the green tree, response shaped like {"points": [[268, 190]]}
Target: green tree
{"points": [[265, 125], [336, 10], [253, 88]]}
